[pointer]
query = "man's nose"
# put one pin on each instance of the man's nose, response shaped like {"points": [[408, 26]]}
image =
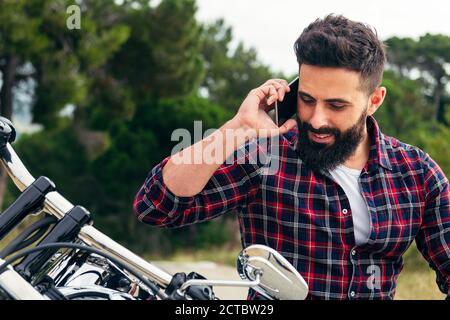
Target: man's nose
{"points": [[319, 118]]}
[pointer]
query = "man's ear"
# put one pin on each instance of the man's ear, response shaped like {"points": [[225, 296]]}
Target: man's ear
{"points": [[376, 99]]}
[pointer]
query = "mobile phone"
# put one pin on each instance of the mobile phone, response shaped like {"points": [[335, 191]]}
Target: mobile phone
{"points": [[287, 108]]}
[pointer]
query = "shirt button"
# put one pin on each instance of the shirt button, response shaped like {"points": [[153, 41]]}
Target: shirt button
{"points": [[353, 252], [352, 294], [344, 211]]}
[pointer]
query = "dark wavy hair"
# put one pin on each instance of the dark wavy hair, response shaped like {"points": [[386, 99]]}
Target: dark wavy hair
{"points": [[336, 41]]}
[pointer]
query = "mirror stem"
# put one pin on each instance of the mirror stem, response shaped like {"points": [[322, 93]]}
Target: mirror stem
{"points": [[200, 282]]}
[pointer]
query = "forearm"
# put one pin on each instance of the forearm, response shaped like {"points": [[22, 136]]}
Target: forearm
{"points": [[188, 171]]}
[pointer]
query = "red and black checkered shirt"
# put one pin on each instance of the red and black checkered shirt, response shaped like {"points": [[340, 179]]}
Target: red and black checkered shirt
{"points": [[307, 217]]}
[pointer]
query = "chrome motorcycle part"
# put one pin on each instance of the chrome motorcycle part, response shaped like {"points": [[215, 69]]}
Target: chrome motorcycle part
{"points": [[278, 278], [16, 286]]}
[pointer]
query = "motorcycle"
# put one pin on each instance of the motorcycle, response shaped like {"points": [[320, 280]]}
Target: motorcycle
{"points": [[62, 256]]}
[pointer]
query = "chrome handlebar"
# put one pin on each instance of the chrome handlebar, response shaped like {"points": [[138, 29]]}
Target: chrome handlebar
{"points": [[56, 205]]}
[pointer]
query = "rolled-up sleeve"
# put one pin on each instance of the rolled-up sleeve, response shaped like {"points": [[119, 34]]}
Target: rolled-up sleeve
{"points": [[230, 187], [433, 239]]}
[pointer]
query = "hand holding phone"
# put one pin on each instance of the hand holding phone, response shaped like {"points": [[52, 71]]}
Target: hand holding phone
{"points": [[254, 115]]}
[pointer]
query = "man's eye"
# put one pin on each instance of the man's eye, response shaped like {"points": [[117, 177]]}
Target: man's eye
{"points": [[337, 106], [306, 100]]}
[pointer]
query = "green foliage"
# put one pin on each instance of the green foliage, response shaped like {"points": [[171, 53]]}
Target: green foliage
{"points": [[161, 56], [58, 155], [19, 31], [438, 146], [170, 114], [405, 111], [230, 74], [430, 55], [63, 61]]}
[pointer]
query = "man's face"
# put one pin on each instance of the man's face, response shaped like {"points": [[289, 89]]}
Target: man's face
{"points": [[332, 112]]}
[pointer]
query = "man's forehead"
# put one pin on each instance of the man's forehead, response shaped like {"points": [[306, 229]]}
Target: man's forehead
{"points": [[328, 83]]}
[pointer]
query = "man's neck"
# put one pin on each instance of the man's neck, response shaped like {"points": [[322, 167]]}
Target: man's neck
{"points": [[359, 159]]}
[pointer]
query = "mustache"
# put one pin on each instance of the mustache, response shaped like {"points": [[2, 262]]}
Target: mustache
{"points": [[325, 130]]}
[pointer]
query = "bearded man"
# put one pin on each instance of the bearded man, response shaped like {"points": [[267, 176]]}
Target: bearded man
{"points": [[346, 201]]}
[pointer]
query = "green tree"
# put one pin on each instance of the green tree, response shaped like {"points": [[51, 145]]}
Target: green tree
{"points": [[44, 154], [19, 41], [405, 113], [161, 58], [37, 45], [430, 55], [230, 74]]}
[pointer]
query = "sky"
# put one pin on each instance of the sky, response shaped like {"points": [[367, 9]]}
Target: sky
{"points": [[271, 27]]}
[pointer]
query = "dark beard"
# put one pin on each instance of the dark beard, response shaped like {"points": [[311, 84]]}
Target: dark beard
{"points": [[320, 156]]}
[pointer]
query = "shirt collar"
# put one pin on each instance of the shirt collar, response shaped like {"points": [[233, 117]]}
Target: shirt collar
{"points": [[379, 146]]}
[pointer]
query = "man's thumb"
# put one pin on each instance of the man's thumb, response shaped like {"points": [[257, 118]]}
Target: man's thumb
{"points": [[288, 125]]}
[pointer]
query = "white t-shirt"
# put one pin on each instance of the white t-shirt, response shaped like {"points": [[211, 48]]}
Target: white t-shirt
{"points": [[347, 178]]}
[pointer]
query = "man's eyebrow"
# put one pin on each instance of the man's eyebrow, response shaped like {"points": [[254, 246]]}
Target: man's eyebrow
{"points": [[332, 100]]}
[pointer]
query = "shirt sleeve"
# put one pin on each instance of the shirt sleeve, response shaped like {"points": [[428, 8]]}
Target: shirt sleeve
{"points": [[433, 239], [230, 187]]}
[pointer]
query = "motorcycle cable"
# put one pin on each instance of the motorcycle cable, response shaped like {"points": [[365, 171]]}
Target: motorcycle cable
{"points": [[155, 289], [28, 236]]}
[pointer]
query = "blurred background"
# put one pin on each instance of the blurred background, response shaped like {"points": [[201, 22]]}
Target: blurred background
{"points": [[95, 103]]}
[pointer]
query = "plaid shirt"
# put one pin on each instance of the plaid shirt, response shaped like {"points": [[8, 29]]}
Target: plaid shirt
{"points": [[307, 217]]}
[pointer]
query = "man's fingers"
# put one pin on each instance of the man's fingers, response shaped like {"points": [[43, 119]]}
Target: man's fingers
{"points": [[288, 125], [280, 90], [271, 90], [272, 95], [281, 85], [284, 83], [268, 93], [280, 81]]}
